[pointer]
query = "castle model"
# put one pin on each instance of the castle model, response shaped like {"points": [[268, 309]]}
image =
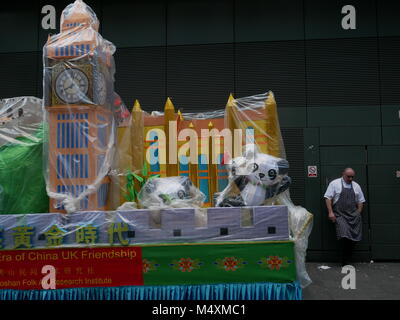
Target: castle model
{"points": [[209, 176]]}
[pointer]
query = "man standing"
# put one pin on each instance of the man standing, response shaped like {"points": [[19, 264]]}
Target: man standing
{"points": [[344, 200]]}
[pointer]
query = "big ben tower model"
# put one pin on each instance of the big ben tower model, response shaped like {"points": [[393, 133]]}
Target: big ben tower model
{"points": [[78, 92]]}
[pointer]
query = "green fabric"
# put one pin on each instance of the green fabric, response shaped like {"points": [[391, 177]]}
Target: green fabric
{"points": [[22, 186], [219, 263]]}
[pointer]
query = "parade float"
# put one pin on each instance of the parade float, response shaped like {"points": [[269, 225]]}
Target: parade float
{"points": [[137, 205]]}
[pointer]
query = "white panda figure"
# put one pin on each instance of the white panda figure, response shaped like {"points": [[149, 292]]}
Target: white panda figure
{"points": [[257, 176], [170, 192]]}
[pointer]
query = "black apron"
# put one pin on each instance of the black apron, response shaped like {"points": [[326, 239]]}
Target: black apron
{"points": [[348, 220]]}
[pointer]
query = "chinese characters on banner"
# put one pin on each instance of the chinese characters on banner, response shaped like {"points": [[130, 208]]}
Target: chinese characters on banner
{"points": [[23, 236]]}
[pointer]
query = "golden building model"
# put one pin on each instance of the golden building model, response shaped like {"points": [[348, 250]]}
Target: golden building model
{"points": [[208, 175]]}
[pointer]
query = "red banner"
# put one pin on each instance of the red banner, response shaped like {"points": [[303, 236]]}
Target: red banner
{"points": [[74, 267]]}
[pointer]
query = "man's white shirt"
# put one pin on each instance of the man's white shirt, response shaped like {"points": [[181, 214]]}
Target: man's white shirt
{"points": [[335, 188]]}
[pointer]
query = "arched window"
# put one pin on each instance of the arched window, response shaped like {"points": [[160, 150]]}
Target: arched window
{"points": [[250, 132], [154, 154], [203, 174]]}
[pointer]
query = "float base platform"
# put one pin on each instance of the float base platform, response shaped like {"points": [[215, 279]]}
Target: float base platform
{"points": [[206, 271], [226, 291]]}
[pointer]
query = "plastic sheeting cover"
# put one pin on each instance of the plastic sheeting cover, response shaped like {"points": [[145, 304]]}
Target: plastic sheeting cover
{"points": [[22, 186]]}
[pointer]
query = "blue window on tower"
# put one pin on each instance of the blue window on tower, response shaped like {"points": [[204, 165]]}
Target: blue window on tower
{"points": [[72, 134], [102, 195], [203, 176], [72, 166], [102, 135]]}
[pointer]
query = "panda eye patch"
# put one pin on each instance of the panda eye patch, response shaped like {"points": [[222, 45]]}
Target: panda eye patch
{"points": [[255, 167], [272, 174], [181, 194]]}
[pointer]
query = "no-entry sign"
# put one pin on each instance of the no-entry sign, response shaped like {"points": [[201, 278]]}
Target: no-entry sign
{"points": [[312, 171]]}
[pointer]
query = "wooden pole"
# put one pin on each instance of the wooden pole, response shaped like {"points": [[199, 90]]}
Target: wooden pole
{"points": [[231, 123], [231, 114], [273, 130], [137, 134]]}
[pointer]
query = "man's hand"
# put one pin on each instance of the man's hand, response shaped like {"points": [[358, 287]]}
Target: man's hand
{"points": [[331, 215]]}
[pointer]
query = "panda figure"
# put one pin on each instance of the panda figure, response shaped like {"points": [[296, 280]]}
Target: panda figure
{"points": [[170, 192], [254, 178]]}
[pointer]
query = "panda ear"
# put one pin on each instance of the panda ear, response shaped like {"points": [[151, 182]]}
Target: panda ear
{"points": [[185, 181]]}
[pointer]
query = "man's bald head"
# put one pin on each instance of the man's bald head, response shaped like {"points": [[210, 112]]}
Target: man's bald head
{"points": [[348, 175]]}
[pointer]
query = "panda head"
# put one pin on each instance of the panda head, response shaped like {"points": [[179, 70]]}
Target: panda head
{"points": [[264, 170], [261, 168]]}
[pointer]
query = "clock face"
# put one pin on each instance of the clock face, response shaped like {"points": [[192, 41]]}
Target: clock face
{"points": [[101, 90], [72, 86]]}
